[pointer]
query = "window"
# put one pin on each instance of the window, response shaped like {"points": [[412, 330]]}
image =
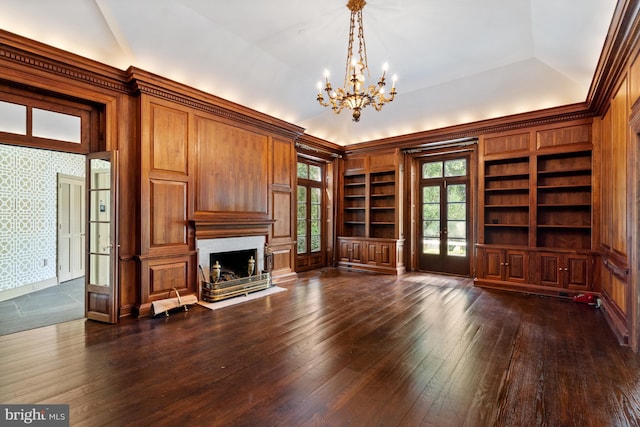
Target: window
{"points": [[50, 123]]}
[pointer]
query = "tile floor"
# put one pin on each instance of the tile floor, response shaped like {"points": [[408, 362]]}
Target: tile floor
{"points": [[49, 306]]}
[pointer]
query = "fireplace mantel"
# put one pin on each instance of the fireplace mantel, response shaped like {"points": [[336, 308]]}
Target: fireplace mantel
{"points": [[210, 229]]}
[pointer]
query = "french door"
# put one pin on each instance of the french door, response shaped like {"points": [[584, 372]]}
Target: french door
{"points": [[309, 219], [444, 214], [101, 278]]}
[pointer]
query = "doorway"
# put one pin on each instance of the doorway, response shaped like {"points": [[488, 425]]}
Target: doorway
{"points": [[310, 205], [444, 229], [44, 194], [35, 294]]}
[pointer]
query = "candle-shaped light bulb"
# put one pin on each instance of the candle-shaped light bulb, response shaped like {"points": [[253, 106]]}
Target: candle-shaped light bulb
{"points": [[385, 67], [319, 86], [395, 77]]}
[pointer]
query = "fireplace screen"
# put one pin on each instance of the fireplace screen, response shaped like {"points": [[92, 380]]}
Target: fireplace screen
{"points": [[234, 264], [232, 274]]}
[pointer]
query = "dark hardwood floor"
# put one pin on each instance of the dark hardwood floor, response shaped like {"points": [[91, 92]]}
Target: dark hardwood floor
{"points": [[338, 348]]}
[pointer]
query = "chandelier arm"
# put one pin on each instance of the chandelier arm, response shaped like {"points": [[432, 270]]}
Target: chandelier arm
{"points": [[320, 100]]}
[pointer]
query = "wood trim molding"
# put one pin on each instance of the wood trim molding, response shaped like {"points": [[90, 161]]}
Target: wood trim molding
{"points": [[616, 318], [623, 36], [237, 228], [620, 271], [50, 60], [160, 87], [318, 148], [475, 129]]}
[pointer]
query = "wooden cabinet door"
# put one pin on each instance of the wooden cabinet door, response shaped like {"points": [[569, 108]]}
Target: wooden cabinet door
{"points": [[577, 272], [343, 250], [550, 268], [357, 251], [516, 266], [492, 263], [386, 254], [569, 271], [350, 250], [371, 252]]}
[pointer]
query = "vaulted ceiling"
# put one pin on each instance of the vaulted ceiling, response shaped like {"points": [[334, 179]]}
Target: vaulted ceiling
{"points": [[457, 61]]}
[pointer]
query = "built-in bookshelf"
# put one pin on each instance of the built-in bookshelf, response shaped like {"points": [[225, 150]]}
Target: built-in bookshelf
{"points": [[564, 200], [382, 204], [536, 210], [506, 201], [371, 231], [354, 205]]}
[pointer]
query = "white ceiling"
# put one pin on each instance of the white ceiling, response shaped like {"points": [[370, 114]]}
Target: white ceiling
{"points": [[457, 61]]}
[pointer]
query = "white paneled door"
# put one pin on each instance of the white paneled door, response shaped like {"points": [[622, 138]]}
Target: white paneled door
{"points": [[71, 227]]}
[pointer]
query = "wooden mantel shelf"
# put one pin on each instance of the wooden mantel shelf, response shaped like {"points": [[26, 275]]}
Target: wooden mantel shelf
{"points": [[208, 229]]}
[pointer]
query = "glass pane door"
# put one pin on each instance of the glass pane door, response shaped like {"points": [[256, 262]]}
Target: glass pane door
{"points": [[309, 208], [444, 216], [101, 279]]}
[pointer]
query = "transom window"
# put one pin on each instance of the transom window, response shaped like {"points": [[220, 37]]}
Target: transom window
{"points": [[14, 118], [446, 168]]}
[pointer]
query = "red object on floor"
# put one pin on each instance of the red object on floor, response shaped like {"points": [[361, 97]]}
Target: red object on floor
{"points": [[585, 299]]}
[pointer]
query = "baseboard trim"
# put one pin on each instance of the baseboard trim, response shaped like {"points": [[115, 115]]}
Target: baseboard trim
{"points": [[27, 289]]}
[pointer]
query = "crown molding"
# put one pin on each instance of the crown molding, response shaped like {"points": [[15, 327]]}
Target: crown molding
{"points": [[622, 38], [32, 63], [151, 84], [26, 54], [475, 129], [317, 147]]}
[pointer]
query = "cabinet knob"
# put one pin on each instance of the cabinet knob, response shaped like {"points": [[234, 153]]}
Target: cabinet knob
{"points": [[506, 263]]}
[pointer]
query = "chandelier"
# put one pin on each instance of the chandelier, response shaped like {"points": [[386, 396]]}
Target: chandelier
{"points": [[356, 93]]}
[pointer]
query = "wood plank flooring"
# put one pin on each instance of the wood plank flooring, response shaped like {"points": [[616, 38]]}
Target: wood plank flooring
{"points": [[338, 348]]}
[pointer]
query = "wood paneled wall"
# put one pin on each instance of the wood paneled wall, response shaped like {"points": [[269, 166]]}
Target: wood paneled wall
{"points": [[618, 236], [283, 203], [232, 168], [203, 170], [167, 255]]}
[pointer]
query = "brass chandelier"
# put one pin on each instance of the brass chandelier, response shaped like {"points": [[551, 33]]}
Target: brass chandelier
{"points": [[356, 94]]}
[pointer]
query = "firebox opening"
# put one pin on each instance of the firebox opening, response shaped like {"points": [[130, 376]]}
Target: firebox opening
{"points": [[234, 264]]}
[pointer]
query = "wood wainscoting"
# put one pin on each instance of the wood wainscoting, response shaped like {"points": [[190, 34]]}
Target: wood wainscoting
{"points": [[337, 348]]}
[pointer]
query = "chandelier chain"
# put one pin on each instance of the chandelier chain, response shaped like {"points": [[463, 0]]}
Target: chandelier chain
{"points": [[349, 50], [362, 47]]}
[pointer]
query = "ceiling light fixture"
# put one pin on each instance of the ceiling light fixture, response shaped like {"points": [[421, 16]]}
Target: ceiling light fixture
{"points": [[356, 95]]}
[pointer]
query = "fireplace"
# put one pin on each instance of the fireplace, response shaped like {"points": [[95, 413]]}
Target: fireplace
{"points": [[233, 264], [225, 267]]}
